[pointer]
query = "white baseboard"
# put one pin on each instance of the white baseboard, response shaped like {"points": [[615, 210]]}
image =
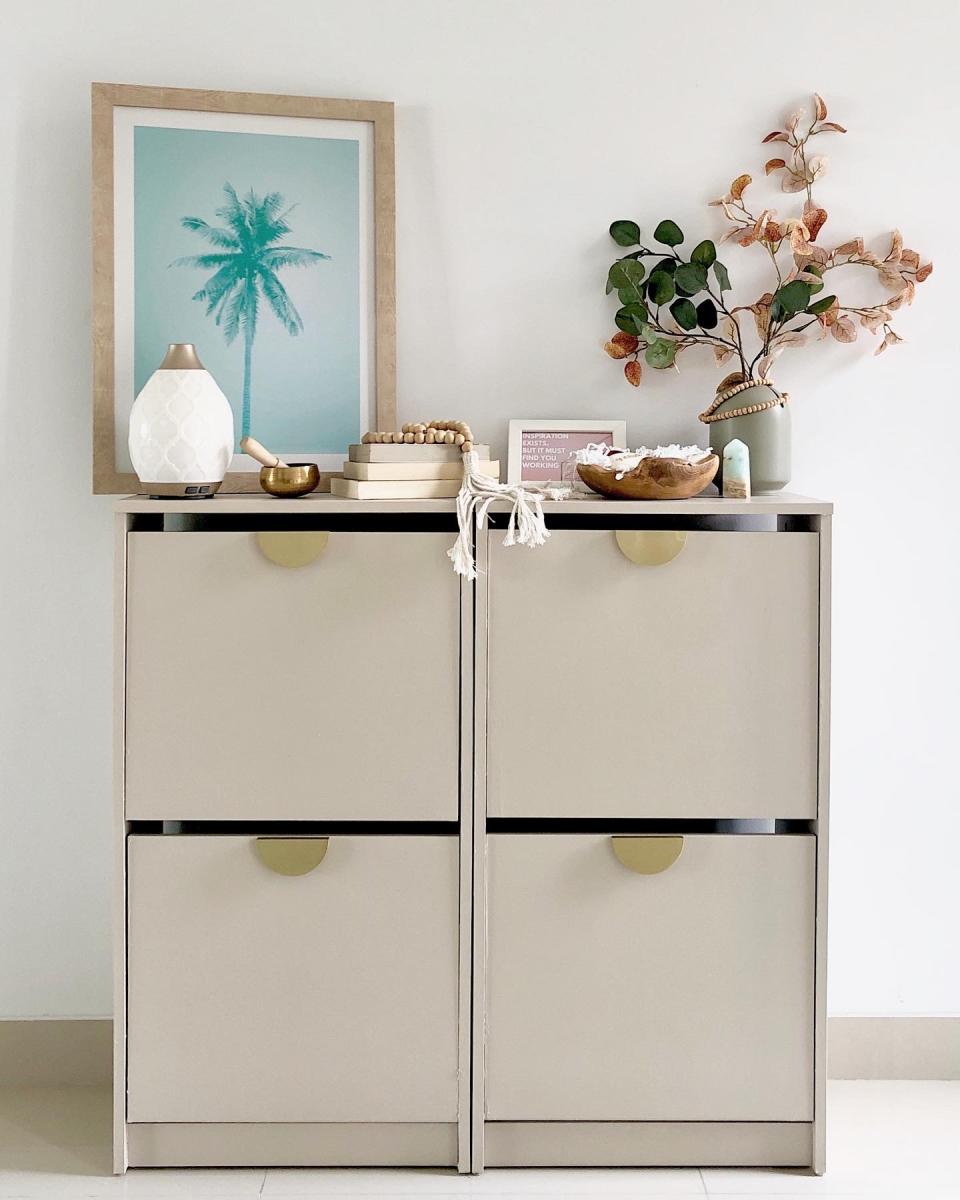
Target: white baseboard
{"points": [[893, 1047], [54, 1052]]}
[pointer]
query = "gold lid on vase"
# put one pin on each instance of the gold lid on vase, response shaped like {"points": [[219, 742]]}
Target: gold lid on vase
{"points": [[181, 356]]}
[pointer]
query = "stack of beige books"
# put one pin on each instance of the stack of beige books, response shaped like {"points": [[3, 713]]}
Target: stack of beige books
{"points": [[376, 471]]}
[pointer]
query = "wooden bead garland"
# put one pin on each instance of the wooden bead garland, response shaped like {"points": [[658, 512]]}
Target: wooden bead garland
{"points": [[448, 433], [710, 415]]}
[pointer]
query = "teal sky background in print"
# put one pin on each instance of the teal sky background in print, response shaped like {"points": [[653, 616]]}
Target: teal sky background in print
{"points": [[305, 390]]}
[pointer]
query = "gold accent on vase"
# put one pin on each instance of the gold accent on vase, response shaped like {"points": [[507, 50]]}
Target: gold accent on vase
{"points": [[651, 547], [292, 548], [647, 855], [291, 856], [181, 356]]}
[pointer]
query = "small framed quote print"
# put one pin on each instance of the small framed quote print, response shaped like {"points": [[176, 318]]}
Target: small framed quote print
{"points": [[542, 451]]}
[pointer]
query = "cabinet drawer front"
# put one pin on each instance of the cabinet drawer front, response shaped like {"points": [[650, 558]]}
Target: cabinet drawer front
{"points": [[263, 692], [325, 996], [680, 996], [711, 707]]}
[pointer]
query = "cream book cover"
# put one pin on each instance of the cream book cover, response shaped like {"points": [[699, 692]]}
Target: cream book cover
{"points": [[377, 452], [395, 489], [417, 470]]}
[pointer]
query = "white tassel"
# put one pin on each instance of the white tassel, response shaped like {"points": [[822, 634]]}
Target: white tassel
{"points": [[526, 526]]}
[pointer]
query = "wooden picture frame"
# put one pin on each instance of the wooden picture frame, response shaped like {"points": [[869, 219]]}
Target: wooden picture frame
{"points": [[613, 432], [377, 346]]}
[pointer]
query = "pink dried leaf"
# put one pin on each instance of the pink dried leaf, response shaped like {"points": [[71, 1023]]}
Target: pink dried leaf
{"points": [[721, 354], [796, 119], [844, 330], [832, 126], [777, 135], [820, 106], [792, 337], [799, 237], [632, 371], [890, 338], [814, 217], [854, 246], [924, 272], [817, 167], [896, 247], [773, 164], [890, 277], [910, 259], [739, 185], [873, 319], [792, 182]]}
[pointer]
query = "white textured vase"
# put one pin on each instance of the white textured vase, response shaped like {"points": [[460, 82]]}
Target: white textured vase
{"points": [[181, 428]]}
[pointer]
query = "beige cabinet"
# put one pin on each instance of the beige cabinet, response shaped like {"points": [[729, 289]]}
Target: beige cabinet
{"points": [[329, 996], [685, 995], [408, 876], [714, 709], [258, 691]]}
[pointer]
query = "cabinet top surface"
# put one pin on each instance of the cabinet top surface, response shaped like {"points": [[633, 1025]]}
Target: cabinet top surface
{"points": [[251, 503]]}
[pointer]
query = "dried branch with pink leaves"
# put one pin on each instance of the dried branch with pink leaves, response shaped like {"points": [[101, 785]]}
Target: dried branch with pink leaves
{"points": [[677, 302]]}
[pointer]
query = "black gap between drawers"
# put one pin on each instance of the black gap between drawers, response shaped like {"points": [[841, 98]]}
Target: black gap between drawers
{"points": [[295, 828], [404, 522], [748, 523], [741, 826]]}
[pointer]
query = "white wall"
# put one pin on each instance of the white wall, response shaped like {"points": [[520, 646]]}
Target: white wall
{"points": [[522, 130]]}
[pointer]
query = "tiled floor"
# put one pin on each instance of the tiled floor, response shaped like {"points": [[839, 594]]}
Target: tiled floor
{"points": [[886, 1139]]}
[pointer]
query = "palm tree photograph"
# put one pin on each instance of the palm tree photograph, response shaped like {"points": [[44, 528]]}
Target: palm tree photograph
{"points": [[246, 259], [255, 246]]}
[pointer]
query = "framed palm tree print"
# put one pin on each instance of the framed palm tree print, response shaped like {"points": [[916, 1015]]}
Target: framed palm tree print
{"points": [[260, 228]]}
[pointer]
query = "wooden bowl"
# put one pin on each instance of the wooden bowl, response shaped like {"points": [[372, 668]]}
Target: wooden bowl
{"points": [[298, 479], [652, 479]]}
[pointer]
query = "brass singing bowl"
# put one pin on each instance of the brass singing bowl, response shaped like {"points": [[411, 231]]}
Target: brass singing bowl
{"points": [[297, 479]]}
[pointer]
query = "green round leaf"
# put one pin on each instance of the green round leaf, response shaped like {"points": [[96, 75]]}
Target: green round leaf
{"points": [[668, 233], [660, 354], [666, 264], [626, 276], [705, 254], [690, 278], [684, 313], [707, 315], [660, 288], [626, 271], [793, 297], [625, 233], [822, 305], [631, 317], [723, 279]]}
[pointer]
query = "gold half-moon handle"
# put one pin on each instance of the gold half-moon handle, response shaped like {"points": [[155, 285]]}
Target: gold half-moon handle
{"points": [[651, 547], [647, 855], [291, 856], [292, 548]]}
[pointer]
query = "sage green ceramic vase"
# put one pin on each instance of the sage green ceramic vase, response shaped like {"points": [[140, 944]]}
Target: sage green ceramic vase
{"points": [[766, 434]]}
